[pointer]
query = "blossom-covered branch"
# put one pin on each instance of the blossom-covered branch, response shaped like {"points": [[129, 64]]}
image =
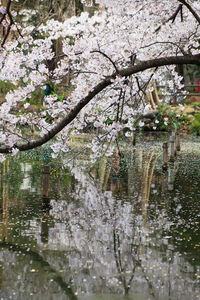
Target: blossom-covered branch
{"points": [[95, 70], [180, 60]]}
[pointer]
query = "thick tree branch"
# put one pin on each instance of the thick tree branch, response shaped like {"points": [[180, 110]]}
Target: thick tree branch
{"points": [[6, 11], [154, 63], [11, 22]]}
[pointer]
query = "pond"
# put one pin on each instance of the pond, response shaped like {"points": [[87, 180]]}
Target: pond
{"points": [[120, 229]]}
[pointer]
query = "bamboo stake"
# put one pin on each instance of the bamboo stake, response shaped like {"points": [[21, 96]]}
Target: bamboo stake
{"points": [[172, 148], [134, 138], [174, 134], [45, 183], [165, 156], [178, 144], [153, 105], [155, 93], [171, 178]]}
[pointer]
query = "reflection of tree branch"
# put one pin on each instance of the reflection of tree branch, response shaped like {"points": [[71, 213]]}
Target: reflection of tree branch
{"points": [[136, 262], [38, 258], [147, 179], [139, 263], [148, 281], [117, 255]]}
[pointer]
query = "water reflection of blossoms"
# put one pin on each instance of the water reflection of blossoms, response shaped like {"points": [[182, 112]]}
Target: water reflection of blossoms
{"points": [[105, 234], [118, 248]]}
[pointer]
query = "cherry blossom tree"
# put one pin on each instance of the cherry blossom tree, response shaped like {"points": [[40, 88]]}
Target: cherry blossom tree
{"points": [[104, 64]]}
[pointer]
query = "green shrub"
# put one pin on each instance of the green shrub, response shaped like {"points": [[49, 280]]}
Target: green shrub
{"points": [[168, 118], [195, 126]]}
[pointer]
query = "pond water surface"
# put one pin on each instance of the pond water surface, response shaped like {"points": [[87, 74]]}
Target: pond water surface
{"points": [[122, 229]]}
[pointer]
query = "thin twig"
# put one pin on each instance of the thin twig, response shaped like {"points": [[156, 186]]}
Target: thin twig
{"points": [[105, 55], [173, 17], [189, 7]]}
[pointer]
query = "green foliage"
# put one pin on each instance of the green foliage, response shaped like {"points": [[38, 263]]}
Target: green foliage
{"points": [[191, 70], [5, 87], [172, 118], [163, 108], [36, 97], [195, 126], [108, 121], [35, 100], [194, 105], [191, 90], [169, 118]]}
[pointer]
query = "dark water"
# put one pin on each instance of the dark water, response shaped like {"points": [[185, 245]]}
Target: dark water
{"points": [[123, 229]]}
